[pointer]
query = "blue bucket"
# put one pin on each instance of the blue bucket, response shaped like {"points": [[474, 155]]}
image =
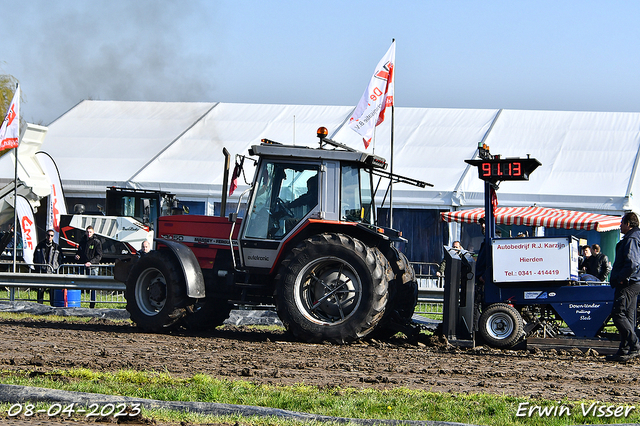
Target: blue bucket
{"points": [[66, 298]]}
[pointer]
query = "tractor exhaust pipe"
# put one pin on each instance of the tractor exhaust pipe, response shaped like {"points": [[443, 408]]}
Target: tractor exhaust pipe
{"points": [[225, 182]]}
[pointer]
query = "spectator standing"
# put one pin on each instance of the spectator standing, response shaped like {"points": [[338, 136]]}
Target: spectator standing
{"points": [[89, 252], [47, 258], [47, 254], [625, 279]]}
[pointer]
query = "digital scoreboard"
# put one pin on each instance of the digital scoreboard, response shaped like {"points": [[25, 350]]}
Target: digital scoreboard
{"points": [[499, 169]]}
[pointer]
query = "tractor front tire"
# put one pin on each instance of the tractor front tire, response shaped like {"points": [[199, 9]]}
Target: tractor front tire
{"points": [[155, 292], [332, 288], [501, 325]]}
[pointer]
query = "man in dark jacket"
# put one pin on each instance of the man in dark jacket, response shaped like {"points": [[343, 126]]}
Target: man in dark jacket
{"points": [[601, 267], [47, 259], [625, 279], [47, 254], [89, 251]]}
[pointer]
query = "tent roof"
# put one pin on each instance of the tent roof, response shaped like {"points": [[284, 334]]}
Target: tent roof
{"points": [[539, 216], [589, 159]]}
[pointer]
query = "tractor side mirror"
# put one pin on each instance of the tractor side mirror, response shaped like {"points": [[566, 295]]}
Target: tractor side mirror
{"points": [[233, 217]]}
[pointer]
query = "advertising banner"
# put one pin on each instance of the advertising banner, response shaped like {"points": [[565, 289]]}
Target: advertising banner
{"points": [[10, 129], [369, 112], [535, 259], [28, 226], [57, 204]]}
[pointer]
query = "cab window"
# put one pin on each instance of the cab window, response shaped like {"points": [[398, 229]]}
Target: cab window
{"points": [[356, 198], [284, 195]]}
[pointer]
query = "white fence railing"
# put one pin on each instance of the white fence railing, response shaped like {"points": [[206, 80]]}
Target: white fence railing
{"points": [[96, 281]]}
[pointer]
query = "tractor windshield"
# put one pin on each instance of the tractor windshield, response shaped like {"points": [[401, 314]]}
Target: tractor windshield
{"points": [[285, 193]]}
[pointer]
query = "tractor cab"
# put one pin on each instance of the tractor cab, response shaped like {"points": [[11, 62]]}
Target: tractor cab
{"points": [[298, 191]]}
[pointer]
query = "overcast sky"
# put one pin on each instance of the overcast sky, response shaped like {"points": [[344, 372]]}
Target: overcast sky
{"points": [[577, 55]]}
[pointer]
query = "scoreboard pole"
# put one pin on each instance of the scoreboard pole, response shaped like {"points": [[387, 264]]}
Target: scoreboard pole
{"points": [[489, 217], [489, 226]]}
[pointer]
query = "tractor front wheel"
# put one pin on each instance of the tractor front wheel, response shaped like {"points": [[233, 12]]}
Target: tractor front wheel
{"points": [[155, 292]]}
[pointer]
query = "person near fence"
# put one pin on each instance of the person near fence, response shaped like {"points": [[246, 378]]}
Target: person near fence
{"points": [[89, 251], [47, 257], [47, 254], [625, 280]]}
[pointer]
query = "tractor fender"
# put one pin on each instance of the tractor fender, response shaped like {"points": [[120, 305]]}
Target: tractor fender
{"points": [[193, 277]]}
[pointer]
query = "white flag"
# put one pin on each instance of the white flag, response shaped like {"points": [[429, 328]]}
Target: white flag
{"points": [[57, 204], [28, 226], [10, 130], [379, 94]]}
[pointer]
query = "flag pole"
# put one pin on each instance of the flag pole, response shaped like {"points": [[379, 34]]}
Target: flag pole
{"points": [[391, 183], [15, 208], [15, 201], [393, 104]]}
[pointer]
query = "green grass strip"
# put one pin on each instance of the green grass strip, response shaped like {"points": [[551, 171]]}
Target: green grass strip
{"points": [[398, 403]]}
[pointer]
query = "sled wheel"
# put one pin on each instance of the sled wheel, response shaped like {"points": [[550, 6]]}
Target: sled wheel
{"points": [[212, 313], [501, 325], [403, 298], [331, 288], [155, 292]]}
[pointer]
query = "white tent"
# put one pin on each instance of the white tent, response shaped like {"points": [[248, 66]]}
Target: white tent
{"points": [[589, 159]]}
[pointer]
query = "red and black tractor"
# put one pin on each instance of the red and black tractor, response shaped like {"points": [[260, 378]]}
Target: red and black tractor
{"points": [[308, 243]]}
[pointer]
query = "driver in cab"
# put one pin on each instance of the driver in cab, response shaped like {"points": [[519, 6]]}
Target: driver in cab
{"points": [[308, 200]]}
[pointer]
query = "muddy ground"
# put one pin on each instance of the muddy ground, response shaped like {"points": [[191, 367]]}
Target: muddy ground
{"points": [[265, 356]]}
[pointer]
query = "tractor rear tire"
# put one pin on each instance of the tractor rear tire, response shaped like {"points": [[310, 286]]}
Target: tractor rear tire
{"points": [[403, 298], [407, 296], [332, 288], [501, 325], [155, 292]]}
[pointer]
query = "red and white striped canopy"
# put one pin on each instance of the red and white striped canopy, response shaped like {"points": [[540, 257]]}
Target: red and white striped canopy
{"points": [[539, 216]]}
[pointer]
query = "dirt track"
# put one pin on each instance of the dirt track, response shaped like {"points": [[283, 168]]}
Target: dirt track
{"points": [[239, 353]]}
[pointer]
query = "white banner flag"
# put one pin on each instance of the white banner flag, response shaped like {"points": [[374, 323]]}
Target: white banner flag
{"points": [[28, 227], [57, 204], [378, 96], [10, 130]]}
